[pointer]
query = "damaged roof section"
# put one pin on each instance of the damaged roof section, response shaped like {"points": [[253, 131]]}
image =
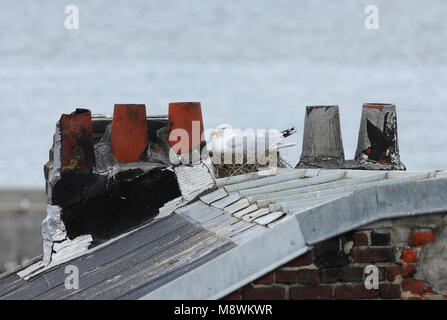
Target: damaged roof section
{"points": [[129, 267], [266, 197], [109, 175], [138, 222], [211, 246], [313, 205]]}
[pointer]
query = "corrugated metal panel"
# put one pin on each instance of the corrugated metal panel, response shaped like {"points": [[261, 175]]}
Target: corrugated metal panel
{"points": [[245, 177], [319, 202], [234, 229], [219, 221], [222, 203], [198, 212], [224, 234], [265, 181], [214, 196], [264, 220], [319, 187], [299, 204], [266, 198], [194, 179], [238, 205], [297, 183], [345, 189], [258, 213], [441, 174], [291, 191], [249, 209], [372, 204], [322, 204], [248, 234]]}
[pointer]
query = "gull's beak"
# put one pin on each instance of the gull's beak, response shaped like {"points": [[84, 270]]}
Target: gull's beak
{"points": [[214, 133]]}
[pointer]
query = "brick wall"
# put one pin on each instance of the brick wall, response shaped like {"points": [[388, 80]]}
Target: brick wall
{"points": [[334, 269]]}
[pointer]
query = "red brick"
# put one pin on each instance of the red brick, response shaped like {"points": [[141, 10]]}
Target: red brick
{"points": [[408, 270], [284, 276], [265, 279], [421, 238], [392, 272], [413, 286], [389, 291], [311, 293], [235, 295], [382, 271], [371, 255], [330, 275], [270, 293], [354, 292], [352, 274], [429, 291], [360, 239], [309, 276], [303, 260], [408, 256]]}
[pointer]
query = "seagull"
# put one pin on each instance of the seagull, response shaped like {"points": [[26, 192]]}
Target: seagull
{"points": [[228, 140]]}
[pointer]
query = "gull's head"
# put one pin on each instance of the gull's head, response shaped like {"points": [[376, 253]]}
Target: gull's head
{"points": [[220, 129]]}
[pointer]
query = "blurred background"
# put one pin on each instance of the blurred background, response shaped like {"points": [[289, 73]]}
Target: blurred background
{"points": [[253, 64]]}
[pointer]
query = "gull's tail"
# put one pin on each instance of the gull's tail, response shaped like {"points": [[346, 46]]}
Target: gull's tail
{"points": [[288, 132]]}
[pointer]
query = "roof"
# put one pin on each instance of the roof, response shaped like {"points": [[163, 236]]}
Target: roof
{"points": [[241, 228]]}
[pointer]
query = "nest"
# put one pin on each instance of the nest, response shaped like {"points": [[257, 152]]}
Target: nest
{"points": [[241, 165]]}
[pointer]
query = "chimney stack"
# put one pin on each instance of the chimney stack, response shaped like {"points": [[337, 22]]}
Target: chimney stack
{"points": [[129, 139], [378, 142], [77, 150], [185, 129], [322, 142]]}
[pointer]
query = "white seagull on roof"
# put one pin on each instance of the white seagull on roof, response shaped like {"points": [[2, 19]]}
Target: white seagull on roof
{"points": [[226, 139]]}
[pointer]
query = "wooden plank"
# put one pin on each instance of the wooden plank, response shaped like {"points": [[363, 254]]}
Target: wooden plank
{"points": [[152, 267], [185, 259], [175, 273], [56, 277], [122, 247], [11, 283], [27, 291], [109, 269]]}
